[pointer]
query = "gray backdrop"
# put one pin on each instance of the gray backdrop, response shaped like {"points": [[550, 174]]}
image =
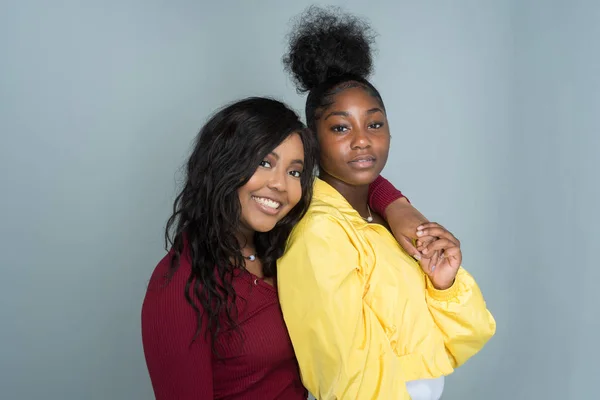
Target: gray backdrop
{"points": [[494, 110]]}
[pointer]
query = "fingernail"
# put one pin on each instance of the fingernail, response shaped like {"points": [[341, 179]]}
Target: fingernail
{"points": [[420, 227], [417, 257], [419, 233], [425, 251]]}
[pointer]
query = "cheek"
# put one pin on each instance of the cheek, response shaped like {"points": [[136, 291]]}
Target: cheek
{"points": [[243, 198], [294, 193], [383, 145], [331, 152], [328, 144], [242, 194], [256, 181], [333, 162], [245, 191]]}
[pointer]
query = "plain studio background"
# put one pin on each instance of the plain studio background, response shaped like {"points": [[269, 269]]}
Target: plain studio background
{"points": [[495, 112]]}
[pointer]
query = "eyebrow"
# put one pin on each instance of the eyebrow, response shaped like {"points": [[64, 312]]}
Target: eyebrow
{"points": [[347, 114], [374, 110], [296, 161], [340, 113]]}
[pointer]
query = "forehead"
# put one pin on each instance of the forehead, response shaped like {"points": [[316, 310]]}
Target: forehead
{"points": [[291, 148], [355, 98]]}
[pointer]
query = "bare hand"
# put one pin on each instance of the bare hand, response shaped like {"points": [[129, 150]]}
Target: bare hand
{"points": [[404, 219], [443, 272]]}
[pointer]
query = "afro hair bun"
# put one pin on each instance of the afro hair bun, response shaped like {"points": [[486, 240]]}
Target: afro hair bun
{"points": [[327, 43]]}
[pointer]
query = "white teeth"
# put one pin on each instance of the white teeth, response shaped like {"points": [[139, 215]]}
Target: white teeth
{"points": [[267, 202]]}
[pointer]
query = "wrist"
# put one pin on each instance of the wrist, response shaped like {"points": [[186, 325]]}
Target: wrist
{"points": [[382, 194], [400, 211], [443, 293], [443, 286]]}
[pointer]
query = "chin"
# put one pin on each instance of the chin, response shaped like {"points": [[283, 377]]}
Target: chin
{"points": [[263, 227], [363, 178], [354, 177]]}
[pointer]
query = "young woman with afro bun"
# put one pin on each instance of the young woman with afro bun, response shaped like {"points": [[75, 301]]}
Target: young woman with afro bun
{"points": [[367, 320]]}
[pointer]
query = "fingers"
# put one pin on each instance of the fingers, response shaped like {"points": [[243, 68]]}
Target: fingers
{"points": [[406, 243], [436, 230], [435, 259], [425, 240], [438, 245], [428, 225], [452, 252], [433, 242]]}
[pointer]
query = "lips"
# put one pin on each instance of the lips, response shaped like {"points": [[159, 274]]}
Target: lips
{"points": [[267, 204], [363, 158], [363, 161]]}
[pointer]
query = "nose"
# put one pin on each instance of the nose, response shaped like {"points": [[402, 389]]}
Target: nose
{"points": [[278, 179], [360, 139]]}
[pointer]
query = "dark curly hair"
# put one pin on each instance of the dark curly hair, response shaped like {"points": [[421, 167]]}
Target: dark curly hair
{"points": [[329, 51], [206, 213]]}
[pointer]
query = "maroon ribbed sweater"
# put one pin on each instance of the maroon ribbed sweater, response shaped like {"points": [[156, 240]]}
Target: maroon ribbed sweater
{"points": [[259, 366]]}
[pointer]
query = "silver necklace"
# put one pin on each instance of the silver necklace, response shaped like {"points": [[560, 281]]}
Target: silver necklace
{"points": [[370, 217]]}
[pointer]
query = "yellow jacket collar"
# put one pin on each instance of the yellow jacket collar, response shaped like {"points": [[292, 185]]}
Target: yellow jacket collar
{"points": [[325, 193]]}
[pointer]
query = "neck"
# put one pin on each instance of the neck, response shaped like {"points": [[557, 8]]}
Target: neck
{"points": [[245, 238], [357, 196]]}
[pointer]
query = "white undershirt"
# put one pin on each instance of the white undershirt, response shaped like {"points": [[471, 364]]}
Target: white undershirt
{"points": [[422, 389], [426, 389]]}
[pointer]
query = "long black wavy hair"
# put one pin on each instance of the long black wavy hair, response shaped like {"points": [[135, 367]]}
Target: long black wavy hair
{"points": [[329, 51], [206, 213]]}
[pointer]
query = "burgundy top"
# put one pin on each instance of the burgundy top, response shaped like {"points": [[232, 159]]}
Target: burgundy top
{"points": [[261, 366], [257, 362], [381, 194]]}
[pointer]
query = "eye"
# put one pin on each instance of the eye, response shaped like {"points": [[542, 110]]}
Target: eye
{"points": [[265, 164], [339, 128], [376, 125], [296, 174]]}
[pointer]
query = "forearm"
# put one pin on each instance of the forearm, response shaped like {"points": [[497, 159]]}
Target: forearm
{"points": [[391, 204], [382, 193], [402, 218], [461, 314], [401, 210]]}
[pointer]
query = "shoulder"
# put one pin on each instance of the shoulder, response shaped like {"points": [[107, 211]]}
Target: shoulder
{"points": [[321, 215], [166, 313], [164, 274], [165, 292], [323, 231], [321, 223]]}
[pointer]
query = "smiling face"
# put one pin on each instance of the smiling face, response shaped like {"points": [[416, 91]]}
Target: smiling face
{"points": [[354, 138], [275, 187]]}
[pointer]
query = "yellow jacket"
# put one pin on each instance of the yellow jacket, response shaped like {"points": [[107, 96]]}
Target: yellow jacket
{"points": [[362, 315]]}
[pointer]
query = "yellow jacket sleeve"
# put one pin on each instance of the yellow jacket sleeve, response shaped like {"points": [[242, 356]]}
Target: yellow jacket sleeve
{"points": [[461, 315], [342, 349]]}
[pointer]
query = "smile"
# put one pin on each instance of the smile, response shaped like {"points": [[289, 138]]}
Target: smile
{"points": [[267, 204]]}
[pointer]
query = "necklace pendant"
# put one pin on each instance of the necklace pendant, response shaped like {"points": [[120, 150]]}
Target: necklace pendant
{"points": [[370, 217]]}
